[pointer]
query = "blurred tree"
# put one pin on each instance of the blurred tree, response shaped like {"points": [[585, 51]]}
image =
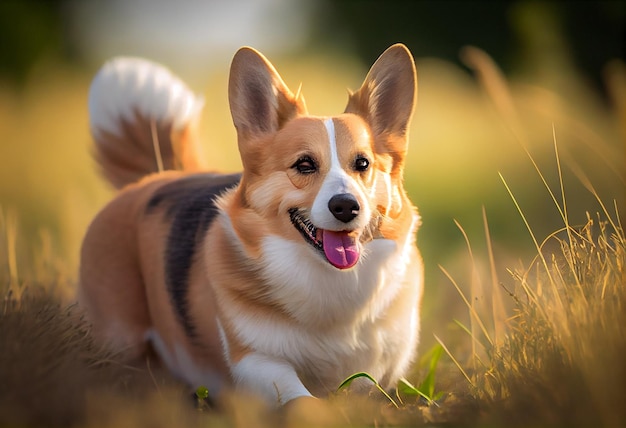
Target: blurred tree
{"points": [[440, 28], [29, 30], [430, 28], [32, 29], [596, 31]]}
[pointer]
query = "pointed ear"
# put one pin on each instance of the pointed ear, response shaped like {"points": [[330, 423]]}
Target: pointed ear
{"points": [[260, 102], [386, 101]]}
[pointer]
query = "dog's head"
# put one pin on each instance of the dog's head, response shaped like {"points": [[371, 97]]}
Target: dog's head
{"points": [[332, 182]]}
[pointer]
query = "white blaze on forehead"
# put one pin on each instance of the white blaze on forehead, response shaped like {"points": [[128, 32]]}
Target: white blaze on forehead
{"points": [[337, 181], [332, 141]]}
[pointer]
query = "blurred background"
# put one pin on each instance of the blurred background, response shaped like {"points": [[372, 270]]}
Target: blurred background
{"points": [[496, 79]]}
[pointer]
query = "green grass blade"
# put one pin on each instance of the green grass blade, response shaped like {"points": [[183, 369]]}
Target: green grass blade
{"points": [[427, 386], [408, 388], [346, 383]]}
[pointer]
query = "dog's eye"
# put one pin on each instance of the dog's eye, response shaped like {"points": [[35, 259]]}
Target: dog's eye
{"points": [[305, 165], [361, 164]]}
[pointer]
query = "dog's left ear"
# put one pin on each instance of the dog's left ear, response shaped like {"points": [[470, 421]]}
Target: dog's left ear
{"points": [[386, 101]]}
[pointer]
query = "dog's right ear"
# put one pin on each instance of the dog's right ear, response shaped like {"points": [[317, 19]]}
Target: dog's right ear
{"points": [[260, 102]]}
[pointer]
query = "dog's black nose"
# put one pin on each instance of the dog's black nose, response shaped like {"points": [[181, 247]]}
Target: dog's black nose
{"points": [[344, 207]]}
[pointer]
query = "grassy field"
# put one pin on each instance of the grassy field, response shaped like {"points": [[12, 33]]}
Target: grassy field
{"points": [[525, 309]]}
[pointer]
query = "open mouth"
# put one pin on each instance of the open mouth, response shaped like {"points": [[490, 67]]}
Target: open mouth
{"points": [[340, 248]]}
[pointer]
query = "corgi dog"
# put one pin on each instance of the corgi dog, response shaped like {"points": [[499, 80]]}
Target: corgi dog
{"points": [[282, 280]]}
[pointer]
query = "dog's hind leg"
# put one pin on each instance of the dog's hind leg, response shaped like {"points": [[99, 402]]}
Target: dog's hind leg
{"points": [[112, 292]]}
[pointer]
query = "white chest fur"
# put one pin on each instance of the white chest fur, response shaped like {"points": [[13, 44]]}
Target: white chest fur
{"points": [[319, 295], [340, 324]]}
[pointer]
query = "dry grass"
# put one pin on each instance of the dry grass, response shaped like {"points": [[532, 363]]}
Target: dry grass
{"points": [[559, 360], [541, 346], [556, 357], [563, 361]]}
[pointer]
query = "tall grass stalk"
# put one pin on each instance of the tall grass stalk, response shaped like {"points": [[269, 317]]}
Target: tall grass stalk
{"points": [[561, 360], [8, 225]]}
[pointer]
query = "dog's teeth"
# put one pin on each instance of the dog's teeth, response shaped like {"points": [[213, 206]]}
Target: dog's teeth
{"points": [[306, 227]]}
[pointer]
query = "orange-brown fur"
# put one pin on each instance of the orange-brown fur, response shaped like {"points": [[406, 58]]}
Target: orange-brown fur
{"points": [[123, 285]]}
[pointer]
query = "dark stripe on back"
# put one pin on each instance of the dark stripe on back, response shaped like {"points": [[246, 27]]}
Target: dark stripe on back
{"points": [[189, 204]]}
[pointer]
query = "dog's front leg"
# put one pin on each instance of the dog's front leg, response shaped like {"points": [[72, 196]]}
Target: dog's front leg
{"points": [[273, 378]]}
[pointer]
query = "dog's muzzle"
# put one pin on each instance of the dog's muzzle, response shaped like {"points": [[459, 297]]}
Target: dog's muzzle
{"points": [[340, 248]]}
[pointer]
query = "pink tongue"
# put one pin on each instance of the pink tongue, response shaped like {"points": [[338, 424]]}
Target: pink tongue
{"points": [[341, 249]]}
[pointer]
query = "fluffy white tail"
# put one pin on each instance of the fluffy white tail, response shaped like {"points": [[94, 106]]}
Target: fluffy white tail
{"points": [[143, 120]]}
